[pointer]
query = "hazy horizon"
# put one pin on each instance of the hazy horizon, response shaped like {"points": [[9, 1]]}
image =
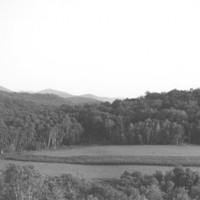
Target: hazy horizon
{"points": [[115, 97], [107, 48]]}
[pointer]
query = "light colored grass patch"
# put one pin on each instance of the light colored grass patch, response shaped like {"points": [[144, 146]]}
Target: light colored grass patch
{"points": [[129, 150], [88, 171], [117, 159]]}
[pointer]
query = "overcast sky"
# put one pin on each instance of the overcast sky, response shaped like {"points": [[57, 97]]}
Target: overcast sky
{"points": [[115, 48]]}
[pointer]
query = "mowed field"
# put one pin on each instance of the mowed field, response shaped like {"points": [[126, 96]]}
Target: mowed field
{"points": [[126, 150], [108, 171], [85, 171], [89, 171]]}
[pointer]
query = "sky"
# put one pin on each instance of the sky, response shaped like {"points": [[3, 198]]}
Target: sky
{"points": [[114, 48]]}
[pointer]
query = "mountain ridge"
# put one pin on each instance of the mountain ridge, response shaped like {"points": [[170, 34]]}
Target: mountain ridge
{"points": [[91, 98], [55, 92], [104, 99], [4, 89], [71, 96]]}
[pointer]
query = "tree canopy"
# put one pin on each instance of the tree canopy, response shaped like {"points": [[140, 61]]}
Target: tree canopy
{"points": [[156, 118]]}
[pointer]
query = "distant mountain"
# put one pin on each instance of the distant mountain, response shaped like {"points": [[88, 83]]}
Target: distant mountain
{"points": [[104, 99], [10, 98], [24, 91], [55, 97], [83, 100], [44, 99], [55, 92], [77, 98], [4, 89]]}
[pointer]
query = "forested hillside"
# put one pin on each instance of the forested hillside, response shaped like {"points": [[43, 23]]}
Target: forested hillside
{"points": [[156, 118], [44, 99]]}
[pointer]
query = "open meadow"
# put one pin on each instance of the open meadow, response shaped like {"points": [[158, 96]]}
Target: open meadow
{"points": [[90, 171], [55, 162], [107, 161], [85, 171], [124, 150]]}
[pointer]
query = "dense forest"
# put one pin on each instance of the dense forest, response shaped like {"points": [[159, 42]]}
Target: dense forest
{"points": [[34, 122], [25, 183]]}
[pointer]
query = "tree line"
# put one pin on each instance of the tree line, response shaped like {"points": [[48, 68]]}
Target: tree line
{"points": [[155, 118], [25, 183]]}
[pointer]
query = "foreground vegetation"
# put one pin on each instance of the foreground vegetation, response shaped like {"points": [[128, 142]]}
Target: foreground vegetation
{"points": [[22, 183]]}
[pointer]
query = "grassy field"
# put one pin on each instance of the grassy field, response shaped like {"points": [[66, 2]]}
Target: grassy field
{"points": [[128, 150], [155, 155], [107, 161], [88, 171], [187, 161]]}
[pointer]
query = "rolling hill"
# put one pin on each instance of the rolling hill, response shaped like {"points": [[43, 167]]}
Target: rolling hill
{"points": [[54, 97], [10, 99], [69, 97], [56, 92], [4, 89], [77, 98], [82, 100], [104, 99]]}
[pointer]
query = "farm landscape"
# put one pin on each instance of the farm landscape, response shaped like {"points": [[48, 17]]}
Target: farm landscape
{"points": [[145, 155], [99, 100], [108, 161], [150, 143]]}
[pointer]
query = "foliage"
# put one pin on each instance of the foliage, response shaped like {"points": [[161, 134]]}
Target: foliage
{"points": [[33, 122], [25, 183]]}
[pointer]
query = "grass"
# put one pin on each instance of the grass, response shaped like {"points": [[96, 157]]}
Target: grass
{"points": [[125, 150], [150, 155], [88, 171], [107, 161], [188, 161]]}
